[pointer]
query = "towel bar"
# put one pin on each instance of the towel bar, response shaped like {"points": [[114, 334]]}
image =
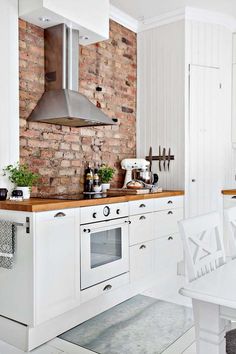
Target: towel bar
{"points": [[26, 224]]}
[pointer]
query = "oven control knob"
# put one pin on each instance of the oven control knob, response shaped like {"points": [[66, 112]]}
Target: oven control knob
{"points": [[94, 215], [106, 211], [118, 211]]}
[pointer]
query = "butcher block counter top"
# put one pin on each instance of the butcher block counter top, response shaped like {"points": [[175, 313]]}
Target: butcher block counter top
{"points": [[42, 204], [229, 192]]}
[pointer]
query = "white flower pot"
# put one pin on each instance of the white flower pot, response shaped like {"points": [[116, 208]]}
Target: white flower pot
{"points": [[105, 187], [25, 190]]}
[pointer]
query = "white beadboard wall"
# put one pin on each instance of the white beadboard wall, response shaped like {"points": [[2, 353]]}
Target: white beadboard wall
{"points": [[211, 45], [9, 86], [164, 55], [160, 119]]}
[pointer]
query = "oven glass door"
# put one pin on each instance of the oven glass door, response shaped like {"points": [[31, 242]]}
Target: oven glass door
{"points": [[104, 251]]}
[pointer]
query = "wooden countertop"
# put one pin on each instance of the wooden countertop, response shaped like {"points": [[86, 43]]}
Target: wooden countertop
{"points": [[229, 192], [38, 204]]}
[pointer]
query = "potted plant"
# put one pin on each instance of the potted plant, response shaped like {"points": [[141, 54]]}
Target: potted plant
{"points": [[106, 174], [21, 177]]}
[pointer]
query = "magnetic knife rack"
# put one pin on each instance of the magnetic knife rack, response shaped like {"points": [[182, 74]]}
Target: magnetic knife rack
{"points": [[162, 156]]}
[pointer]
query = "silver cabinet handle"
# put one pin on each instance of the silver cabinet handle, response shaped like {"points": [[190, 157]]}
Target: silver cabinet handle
{"points": [[142, 247], [169, 202], [170, 212], [107, 287], [142, 206], [170, 238], [142, 217], [59, 215]]}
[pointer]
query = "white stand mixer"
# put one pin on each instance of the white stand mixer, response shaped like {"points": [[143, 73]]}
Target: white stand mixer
{"points": [[133, 164]]}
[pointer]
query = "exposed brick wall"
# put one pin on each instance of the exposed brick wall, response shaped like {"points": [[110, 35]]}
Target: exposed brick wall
{"points": [[59, 153]]}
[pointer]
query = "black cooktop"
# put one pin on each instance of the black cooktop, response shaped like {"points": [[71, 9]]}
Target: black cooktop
{"points": [[78, 196]]}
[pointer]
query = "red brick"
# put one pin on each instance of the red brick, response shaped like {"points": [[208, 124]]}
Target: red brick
{"points": [[60, 153]]}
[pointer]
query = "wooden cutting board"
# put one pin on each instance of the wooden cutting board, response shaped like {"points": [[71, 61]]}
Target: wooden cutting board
{"points": [[125, 191]]}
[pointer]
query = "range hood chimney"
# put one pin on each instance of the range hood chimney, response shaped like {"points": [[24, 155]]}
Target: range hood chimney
{"points": [[61, 102]]}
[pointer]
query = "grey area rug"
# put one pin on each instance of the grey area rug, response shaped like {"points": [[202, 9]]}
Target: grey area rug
{"points": [[140, 325]]}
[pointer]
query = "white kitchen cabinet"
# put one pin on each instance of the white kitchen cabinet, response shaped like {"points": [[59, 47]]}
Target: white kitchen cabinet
{"points": [[141, 228], [57, 260], [168, 203], [141, 206], [168, 253], [17, 284], [166, 222], [90, 17], [142, 261]]}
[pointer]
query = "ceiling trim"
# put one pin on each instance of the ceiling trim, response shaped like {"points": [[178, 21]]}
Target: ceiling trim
{"points": [[187, 13], [202, 15], [124, 19], [169, 17]]}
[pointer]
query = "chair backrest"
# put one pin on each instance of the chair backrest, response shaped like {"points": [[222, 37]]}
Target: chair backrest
{"points": [[230, 228], [203, 244]]}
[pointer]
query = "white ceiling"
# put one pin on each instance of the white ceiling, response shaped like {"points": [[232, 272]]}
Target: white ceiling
{"points": [[144, 9]]}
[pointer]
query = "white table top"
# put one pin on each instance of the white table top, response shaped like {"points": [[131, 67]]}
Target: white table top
{"points": [[218, 287]]}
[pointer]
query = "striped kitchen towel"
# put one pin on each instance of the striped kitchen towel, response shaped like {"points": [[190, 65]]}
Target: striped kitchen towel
{"points": [[7, 244]]}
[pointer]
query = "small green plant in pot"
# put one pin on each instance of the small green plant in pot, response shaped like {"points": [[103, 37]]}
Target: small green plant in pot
{"points": [[21, 177], [106, 174]]}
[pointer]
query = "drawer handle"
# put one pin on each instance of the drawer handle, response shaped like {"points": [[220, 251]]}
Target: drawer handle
{"points": [[128, 222], [142, 206], [234, 197], [170, 238], [107, 287], [170, 212], [59, 215], [142, 217], [170, 202], [142, 247], [87, 230]]}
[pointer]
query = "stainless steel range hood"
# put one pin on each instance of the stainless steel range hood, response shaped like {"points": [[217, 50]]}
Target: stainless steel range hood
{"points": [[61, 103]]}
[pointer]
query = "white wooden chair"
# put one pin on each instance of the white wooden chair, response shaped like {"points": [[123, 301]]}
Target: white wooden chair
{"points": [[203, 244], [230, 228]]}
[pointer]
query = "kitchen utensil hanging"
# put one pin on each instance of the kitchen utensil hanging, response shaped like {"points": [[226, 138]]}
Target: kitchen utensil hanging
{"points": [[166, 158]]}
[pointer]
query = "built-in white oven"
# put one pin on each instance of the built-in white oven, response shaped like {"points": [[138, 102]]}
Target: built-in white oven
{"points": [[104, 247]]}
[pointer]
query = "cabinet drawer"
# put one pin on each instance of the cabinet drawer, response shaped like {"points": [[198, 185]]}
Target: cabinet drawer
{"points": [[166, 222], [229, 201], [141, 228], [104, 288], [168, 203], [55, 215], [141, 261], [141, 206]]}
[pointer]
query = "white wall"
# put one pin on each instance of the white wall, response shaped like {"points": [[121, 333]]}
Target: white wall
{"points": [[160, 118], [9, 85]]}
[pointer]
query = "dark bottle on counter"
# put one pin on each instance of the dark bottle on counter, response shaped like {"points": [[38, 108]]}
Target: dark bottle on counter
{"points": [[96, 180], [88, 185]]}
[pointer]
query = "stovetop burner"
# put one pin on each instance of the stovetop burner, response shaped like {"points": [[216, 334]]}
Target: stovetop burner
{"points": [[77, 196]]}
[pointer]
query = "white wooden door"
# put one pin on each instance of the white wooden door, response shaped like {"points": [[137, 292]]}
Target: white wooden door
{"points": [[205, 152]]}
